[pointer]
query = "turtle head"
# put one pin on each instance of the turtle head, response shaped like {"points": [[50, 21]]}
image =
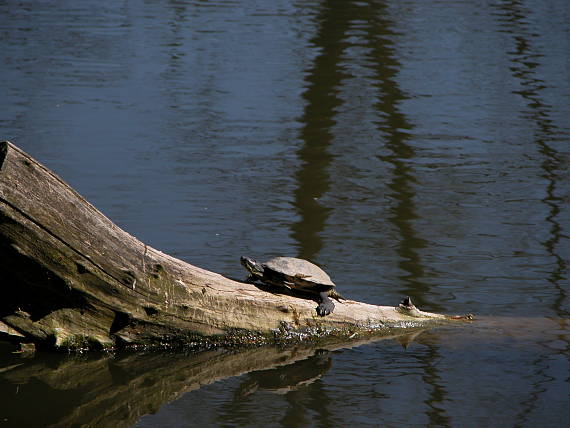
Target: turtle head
{"points": [[252, 266]]}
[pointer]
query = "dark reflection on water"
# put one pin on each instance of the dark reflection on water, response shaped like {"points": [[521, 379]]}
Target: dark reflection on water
{"points": [[435, 377], [409, 147], [323, 80], [297, 381], [396, 129], [116, 390], [525, 61]]}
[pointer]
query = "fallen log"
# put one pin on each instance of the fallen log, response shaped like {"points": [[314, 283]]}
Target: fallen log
{"points": [[71, 278]]}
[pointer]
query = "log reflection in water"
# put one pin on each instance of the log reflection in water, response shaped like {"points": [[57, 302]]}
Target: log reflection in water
{"points": [[116, 390]]}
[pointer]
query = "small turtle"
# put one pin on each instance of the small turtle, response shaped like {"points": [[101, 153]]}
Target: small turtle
{"points": [[295, 274]]}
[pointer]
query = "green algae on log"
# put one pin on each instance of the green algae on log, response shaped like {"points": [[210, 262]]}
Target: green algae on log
{"points": [[71, 278]]}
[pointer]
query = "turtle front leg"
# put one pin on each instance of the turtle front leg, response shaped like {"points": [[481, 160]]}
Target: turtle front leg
{"points": [[251, 279], [326, 306]]}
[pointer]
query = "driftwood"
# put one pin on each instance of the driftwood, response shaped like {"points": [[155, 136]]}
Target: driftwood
{"points": [[71, 278]]}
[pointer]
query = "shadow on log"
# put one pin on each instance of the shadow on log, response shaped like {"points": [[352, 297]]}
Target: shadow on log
{"points": [[73, 279]]}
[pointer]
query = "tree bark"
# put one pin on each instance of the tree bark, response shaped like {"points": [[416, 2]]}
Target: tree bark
{"points": [[71, 278]]}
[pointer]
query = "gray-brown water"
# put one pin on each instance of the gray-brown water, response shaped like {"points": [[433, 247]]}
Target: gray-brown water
{"points": [[414, 147]]}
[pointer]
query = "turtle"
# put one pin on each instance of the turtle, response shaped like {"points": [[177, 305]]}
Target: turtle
{"points": [[295, 274]]}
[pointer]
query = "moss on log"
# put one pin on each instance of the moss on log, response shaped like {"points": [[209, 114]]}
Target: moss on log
{"points": [[71, 278]]}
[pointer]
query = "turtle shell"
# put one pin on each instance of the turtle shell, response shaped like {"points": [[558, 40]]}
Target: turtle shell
{"points": [[302, 273]]}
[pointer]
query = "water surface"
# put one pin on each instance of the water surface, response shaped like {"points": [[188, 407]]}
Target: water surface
{"points": [[408, 147]]}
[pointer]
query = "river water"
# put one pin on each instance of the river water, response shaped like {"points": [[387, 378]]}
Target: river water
{"points": [[411, 148]]}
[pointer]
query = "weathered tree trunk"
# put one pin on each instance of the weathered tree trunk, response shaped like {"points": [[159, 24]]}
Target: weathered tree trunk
{"points": [[71, 278]]}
